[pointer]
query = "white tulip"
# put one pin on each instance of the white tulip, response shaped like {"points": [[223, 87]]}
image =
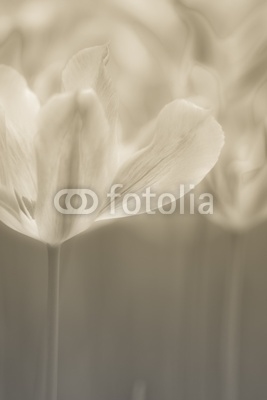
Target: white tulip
{"points": [[72, 143]]}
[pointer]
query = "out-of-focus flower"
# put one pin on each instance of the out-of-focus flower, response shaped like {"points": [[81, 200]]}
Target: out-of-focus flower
{"points": [[71, 142], [41, 39], [239, 179], [224, 16], [143, 43], [226, 73]]}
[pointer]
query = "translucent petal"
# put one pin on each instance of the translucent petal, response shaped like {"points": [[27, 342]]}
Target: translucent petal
{"points": [[89, 69], [186, 145], [75, 150], [12, 215], [18, 110]]}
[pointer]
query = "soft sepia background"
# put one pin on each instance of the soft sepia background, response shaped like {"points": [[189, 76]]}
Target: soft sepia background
{"points": [[144, 303]]}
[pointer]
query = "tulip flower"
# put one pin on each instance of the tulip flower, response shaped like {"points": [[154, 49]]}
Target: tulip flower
{"points": [[72, 142], [239, 180]]}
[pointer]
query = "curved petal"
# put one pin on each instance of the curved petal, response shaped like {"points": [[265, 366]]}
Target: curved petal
{"points": [[74, 151], [186, 145], [12, 216], [89, 69], [19, 103], [16, 161], [48, 81], [18, 110]]}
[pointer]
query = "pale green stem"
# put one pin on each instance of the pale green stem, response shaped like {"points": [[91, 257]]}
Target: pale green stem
{"points": [[52, 323], [231, 346]]}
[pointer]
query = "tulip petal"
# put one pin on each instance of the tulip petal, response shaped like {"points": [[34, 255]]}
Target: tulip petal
{"points": [[74, 151], [186, 145], [16, 165], [19, 107], [89, 69], [19, 103], [12, 215]]}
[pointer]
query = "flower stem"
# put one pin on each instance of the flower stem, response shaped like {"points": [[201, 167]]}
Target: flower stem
{"points": [[139, 391], [52, 322], [232, 323]]}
